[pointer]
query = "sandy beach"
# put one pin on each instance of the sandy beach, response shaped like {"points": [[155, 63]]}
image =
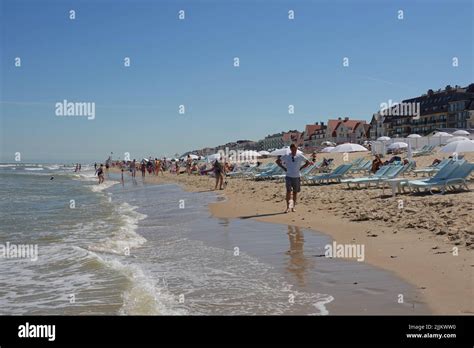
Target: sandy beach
{"points": [[429, 243]]}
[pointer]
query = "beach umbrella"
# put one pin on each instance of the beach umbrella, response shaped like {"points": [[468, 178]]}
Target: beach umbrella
{"points": [[450, 140], [383, 138], [327, 149], [283, 151], [397, 145], [192, 156], [441, 134], [349, 147], [414, 136], [250, 153], [264, 153], [461, 132], [328, 143], [212, 158], [458, 146]]}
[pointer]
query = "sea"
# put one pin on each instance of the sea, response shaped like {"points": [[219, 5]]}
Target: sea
{"points": [[135, 248]]}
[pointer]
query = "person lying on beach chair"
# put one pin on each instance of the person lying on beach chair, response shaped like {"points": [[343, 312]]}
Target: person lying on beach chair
{"points": [[325, 165], [376, 164]]}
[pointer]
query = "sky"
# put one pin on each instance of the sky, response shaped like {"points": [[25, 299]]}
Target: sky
{"points": [[190, 62]]}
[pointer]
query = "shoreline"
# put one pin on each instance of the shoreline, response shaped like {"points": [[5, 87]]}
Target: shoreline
{"points": [[443, 281]]}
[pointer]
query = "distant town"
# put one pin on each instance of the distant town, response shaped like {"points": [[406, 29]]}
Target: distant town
{"points": [[443, 110]]}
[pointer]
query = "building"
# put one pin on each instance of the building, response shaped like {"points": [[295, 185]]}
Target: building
{"points": [[376, 126], [347, 131], [273, 141], [245, 145], [451, 107], [279, 140], [313, 136]]}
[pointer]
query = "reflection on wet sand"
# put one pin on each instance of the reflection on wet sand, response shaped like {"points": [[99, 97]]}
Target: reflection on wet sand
{"points": [[297, 263]]}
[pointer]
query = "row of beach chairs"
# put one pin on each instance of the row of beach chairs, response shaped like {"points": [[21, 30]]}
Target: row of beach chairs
{"points": [[448, 175]]}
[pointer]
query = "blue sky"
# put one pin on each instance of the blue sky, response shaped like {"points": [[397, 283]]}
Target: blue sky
{"points": [[190, 62]]}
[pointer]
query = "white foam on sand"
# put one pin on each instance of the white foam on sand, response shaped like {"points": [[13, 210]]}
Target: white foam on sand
{"points": [[321, 304]]}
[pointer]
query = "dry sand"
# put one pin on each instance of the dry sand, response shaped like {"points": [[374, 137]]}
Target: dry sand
{"points": [[429, 243]]}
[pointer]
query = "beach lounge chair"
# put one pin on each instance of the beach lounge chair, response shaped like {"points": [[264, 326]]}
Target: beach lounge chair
{"points": [[385, 172], [241, 171], [433, 168], [259, 170], [361, 167], [336, 175], [455, 173], [425, 150], [269, 173]]}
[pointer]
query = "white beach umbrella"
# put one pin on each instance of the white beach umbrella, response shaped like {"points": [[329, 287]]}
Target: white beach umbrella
{"points": [[192, 156], [250, 153], [461, 132], [283, 151], [264, 153], [328, 143], [450, 140], [397, 145], [384, 138], [414, 136], [349, 147], [328, 149], [458, 146], [441, 134], [212, 158]]}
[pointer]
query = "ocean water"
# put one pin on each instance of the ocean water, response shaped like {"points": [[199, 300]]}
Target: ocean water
{"points": [[140, 249]]}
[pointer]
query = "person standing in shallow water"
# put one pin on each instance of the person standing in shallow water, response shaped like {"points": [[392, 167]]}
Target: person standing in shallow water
{"points": [[219, 173], [143, 168], [292, 165], [133, 168], [100, 174]]}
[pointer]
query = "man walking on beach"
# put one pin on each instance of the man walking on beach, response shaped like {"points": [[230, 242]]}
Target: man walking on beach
{"points": [[291, 164]]}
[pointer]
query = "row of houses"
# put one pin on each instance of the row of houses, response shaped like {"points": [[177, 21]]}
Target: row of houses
{"points": [[448, 109]]}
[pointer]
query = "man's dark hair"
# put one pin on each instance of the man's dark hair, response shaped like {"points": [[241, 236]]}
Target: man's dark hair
{"points": [[292, 146]]}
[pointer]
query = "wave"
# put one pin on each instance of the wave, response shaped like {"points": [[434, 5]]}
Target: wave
{"points": [[105, 185], [125, 239], [37, 168]]}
